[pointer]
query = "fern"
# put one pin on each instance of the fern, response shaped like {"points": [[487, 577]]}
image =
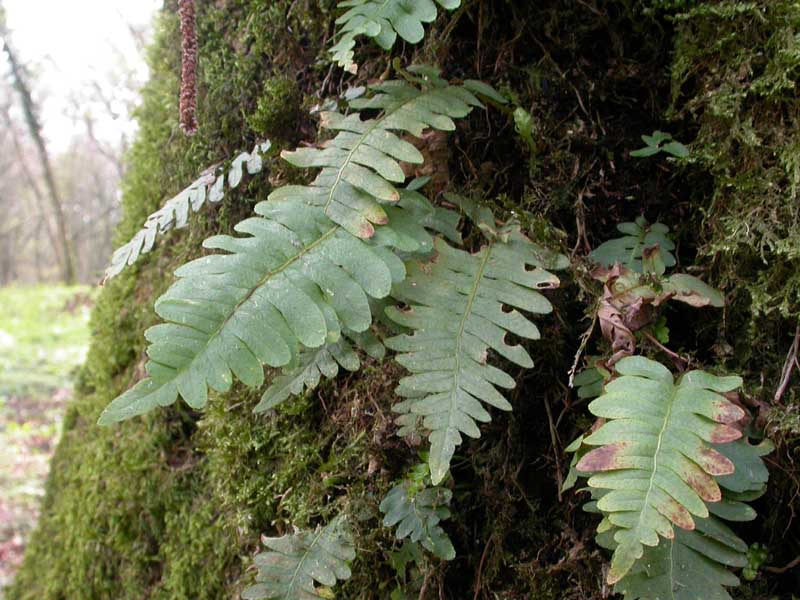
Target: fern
{"points": [[653, 453], [690, 566], [361, 165], [296, 562], [417, 513], [694, 564], [414, 210], [627, 250], [175, 212], [300, 278], [383, 21], [456, 309], [296, 281]]}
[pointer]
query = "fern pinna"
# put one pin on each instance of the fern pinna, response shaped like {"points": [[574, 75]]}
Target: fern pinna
{"points": [[296, 562], [361, 165], [209, 187]]}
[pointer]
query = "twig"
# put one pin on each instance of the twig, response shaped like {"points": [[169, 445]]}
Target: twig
{"points": [[683, 361], [584, 340], [791, 565], [425, 583], [480, 567], [788, 366], [554, 440]]}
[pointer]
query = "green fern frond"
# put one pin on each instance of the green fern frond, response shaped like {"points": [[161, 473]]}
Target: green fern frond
{"points": [[361, 165], [175, 212], [694, 564], [297, 562], [417, 514], [456, 309], [627, 250], [653, 454], [383, 21], [295, 282]]}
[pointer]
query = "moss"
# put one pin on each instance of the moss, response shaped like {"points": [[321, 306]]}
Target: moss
{"points": [[278, 110]]}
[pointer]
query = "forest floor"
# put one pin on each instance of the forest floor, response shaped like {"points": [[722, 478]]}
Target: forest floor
{"points": [[44, 336]]}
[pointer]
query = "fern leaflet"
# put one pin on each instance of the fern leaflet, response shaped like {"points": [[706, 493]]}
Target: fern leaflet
{"points": [[315, 363], [412, 211], [175, 212], [653, 455], [383, 21], [456, 309], [296, 562], [627, 250]]}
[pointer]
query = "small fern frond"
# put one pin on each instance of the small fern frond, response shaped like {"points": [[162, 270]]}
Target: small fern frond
{"points": [[175, 212], [360, 167], [456, 310], [295, 282], [383, 21], [627, 250], [417, 514], [299, 561], [316, 363], [653, 455]]}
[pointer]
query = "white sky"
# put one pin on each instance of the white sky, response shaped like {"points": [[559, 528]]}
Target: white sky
{"points": [[68, 44]]}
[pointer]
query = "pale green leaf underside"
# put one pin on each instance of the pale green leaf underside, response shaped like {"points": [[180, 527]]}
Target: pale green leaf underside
{"points": [[295, 563], [294, 282], [383, 21], [653, 455], [175, 212], [456, 311], [360, 167], [417, 515]]}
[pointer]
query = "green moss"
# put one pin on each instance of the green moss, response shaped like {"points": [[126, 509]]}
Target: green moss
{"points": [[278, 110]]}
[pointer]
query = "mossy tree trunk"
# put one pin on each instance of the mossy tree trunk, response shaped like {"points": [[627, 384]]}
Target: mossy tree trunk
{"points": [[171, 505]]}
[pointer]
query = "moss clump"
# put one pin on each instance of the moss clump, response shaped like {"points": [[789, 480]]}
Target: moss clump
{"points": [[278, 110]]}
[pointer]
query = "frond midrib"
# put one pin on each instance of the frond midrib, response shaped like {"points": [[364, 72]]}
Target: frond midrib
{"points": [[303, 560], [460, 335], [667, 417]]}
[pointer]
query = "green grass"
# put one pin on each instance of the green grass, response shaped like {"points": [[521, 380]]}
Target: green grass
{"points": [[44, 334], [43, 337]]}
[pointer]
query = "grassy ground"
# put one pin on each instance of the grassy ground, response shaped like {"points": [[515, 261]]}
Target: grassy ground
{"points": [[43, 338]]}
